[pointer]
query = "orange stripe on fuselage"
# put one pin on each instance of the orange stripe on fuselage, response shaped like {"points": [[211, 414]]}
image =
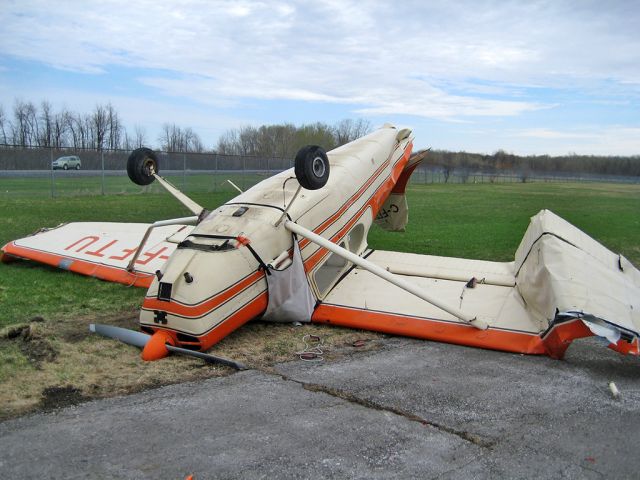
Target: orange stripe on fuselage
{"points": [[205, 307], [350, 201], [375, 202], [206, 340]]}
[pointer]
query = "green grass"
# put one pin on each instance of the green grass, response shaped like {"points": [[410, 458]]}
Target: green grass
{"points": [[487, 221], [74, 184]]}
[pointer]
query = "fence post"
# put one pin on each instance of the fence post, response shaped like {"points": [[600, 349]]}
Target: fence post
{"points": [[53, 182], [244, 168], [102, 164]]}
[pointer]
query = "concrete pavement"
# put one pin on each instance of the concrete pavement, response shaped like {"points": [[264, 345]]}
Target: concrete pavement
{"points": [[412, 409]]}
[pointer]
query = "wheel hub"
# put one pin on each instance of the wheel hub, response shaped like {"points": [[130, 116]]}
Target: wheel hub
{"points": [[318, 167]]}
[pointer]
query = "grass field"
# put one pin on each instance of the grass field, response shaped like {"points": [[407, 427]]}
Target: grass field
{"points": [[72, 183], [47, 354]]}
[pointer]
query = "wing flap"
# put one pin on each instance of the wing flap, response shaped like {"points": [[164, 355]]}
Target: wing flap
{"points": [[363, 300]]}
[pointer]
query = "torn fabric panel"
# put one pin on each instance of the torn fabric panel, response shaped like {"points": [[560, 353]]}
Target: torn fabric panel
{"points": [[290, 297]]}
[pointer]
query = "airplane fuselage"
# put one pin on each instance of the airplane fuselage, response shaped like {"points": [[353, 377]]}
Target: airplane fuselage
{"points": [[214, 282]]}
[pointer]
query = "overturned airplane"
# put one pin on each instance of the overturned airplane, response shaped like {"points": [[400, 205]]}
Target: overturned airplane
{"points": [[294, 248]]}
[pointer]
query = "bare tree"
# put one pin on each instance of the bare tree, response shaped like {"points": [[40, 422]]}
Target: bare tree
{"points": [[170, 137], [140, 136], [3, 127], [73, 127], [349, 130], [60, 127], [114, 128], [86, 134], [228, 143], [285, 140], [24, 128], [45, 132], [174, 139], [99, 127]]}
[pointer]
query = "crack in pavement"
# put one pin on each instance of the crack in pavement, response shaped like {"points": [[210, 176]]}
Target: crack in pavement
{"points": [[351, 398]]}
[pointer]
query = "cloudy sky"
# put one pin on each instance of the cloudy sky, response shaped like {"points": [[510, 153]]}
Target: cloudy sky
{"points": [[525, 76]]}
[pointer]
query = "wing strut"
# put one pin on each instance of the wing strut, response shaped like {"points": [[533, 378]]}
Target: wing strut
{"points": [[160, 223], [384, 274], [181, 197]]}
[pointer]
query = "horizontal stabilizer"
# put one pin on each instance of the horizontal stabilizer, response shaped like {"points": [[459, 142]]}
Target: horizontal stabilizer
{"points": [[394, 213]]}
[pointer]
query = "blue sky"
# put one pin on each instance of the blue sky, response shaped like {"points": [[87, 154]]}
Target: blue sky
{"points": [[529, 77]]}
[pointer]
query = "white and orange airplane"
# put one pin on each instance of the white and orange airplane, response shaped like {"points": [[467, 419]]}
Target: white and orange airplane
{"points": [[294, 248]]}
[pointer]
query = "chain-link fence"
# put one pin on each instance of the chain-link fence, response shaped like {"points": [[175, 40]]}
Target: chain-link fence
{"points": [[55, 172], [60, 172]]}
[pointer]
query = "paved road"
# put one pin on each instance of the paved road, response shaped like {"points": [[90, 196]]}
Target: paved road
{"points": [[411, 409]]}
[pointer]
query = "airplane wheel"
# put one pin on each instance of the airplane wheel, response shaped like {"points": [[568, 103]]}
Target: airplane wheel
{"points": [[312, 167], [141, 166]]}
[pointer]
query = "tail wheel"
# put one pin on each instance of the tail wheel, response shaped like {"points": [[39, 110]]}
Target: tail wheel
{"points": [[141, 165], [312, 167]]}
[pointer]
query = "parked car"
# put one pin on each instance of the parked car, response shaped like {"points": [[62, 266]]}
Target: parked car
{"points": [[65, 163]]}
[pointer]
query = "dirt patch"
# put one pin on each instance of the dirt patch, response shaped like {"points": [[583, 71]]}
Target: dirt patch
{"points": [[74, 331], [59, 397], [57, 363], [32, 342], [38, 351]]}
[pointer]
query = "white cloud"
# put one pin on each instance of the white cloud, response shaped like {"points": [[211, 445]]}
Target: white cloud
{"points": [[453, 61], [602, 140], [547, 133], [333, 49]]}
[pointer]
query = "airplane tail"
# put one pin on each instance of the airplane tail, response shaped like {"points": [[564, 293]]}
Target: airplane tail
{"points": [[394, 214]]}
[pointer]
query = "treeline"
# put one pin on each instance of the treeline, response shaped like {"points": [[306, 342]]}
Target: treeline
{"points": [[31, 125], [284, 141], [37, 125], [464, 163]]}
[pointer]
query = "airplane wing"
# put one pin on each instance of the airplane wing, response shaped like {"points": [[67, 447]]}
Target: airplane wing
{"points": [[101, 249], [562, 285]]}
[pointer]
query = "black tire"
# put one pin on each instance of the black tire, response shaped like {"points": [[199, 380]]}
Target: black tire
{"points": [[312, 167], [141, 166], [65, 167], [77, 167]]}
